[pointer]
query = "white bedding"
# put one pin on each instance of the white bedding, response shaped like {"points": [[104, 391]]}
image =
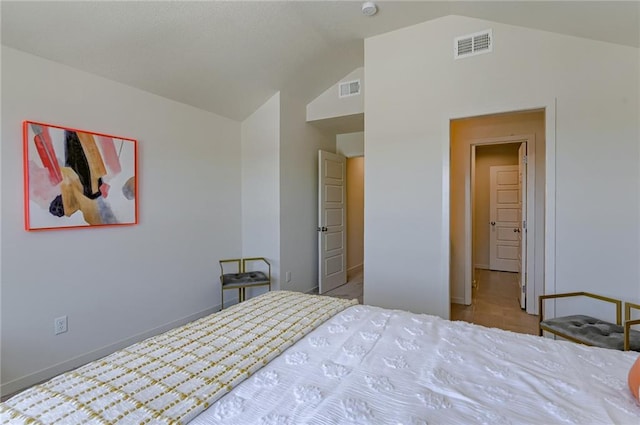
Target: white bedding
{"points": [[172, 377], [368, 365]]}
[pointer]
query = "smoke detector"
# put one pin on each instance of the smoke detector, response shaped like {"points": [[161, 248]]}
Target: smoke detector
{"points": [[369, 8]]}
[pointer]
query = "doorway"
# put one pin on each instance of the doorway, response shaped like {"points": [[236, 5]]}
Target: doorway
{"points": [[501, 201], [469, 228], [349, 146]]}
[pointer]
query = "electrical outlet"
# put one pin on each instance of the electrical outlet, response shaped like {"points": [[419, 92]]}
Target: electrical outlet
{"points": [[288, 277], [60, 325]]}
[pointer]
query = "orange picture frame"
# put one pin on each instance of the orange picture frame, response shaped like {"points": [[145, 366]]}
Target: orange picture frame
{"points": [[76, 178]]}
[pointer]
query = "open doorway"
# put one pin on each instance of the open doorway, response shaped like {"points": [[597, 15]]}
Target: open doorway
{"points": [[353, 286], [350, 146], [501, 246]]}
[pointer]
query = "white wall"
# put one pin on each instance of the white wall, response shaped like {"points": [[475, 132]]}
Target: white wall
{"points": [[116, 284], [299, 145], [350, 144], [414, 86], [261, 187], [329, 104]]}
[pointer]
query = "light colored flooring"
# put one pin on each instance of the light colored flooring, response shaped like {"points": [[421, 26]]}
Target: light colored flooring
{"points": [[352, 289], [494, 302]]}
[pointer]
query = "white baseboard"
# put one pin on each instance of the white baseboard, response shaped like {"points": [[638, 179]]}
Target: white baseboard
{"points": [[27, 381], [457, 300]]}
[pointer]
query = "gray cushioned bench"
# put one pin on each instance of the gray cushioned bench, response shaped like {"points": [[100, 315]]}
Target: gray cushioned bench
{"points": [[242, 278], [590, 330]]}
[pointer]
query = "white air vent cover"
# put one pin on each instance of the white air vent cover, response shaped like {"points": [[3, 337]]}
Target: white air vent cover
{"points": [[349, 88], [473, 44]]}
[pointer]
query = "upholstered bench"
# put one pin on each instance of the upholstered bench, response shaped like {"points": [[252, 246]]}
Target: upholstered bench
{"points": [[591, 331], [243, 278]]}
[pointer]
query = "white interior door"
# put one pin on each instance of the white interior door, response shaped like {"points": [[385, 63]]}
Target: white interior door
{"points": [[522, 231], [332, 209], [504, 204]]}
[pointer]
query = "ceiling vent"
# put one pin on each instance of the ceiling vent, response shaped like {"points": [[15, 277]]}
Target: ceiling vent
{"points": [[473, 44], [349, 88]]}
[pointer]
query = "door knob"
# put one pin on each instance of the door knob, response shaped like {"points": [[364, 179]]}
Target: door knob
{"points": [[493, 223]]}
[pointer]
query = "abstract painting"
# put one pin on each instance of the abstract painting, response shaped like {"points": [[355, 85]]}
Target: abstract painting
{"points": [[76, 178]]}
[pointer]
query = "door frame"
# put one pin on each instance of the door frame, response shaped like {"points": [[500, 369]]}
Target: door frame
{"points": [[474, 109], [469, 212]]}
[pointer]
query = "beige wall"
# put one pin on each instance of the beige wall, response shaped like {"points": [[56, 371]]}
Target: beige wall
{"points": [[487, 157], [466, 131], [355, 213]]}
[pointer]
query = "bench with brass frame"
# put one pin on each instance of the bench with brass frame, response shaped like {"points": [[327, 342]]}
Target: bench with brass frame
{"points": [[243, 278], [628, 323], [591, 331]]}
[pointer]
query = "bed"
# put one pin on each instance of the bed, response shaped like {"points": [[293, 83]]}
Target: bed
{"points": [[291, 358]]}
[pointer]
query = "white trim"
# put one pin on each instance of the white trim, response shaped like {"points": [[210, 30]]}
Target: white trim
{"points": [[469, 200], [468, 111], [458, 300], [34, 378], [445, 243], [533, 279], [550, 202]]}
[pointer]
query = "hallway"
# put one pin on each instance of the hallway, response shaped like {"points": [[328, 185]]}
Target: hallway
{"points": [[495, 304]]}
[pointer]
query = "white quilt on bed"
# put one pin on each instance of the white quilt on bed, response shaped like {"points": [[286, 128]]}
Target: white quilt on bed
{"points": [[171, 377], [368, 365]]}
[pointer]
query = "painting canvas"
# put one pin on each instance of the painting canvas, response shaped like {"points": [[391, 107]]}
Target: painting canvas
{"points": [[76, 178]]}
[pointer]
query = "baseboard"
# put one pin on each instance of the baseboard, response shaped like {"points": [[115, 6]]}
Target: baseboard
{"points": [[457, 300], [42, 375], [355, 269], [313, 290], [482, 266]]}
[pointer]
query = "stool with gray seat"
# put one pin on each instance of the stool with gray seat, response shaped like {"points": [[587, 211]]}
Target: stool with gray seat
{"points": [[589, 330], [243, 278]]}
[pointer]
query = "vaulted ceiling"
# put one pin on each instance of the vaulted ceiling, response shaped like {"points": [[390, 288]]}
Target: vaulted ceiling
{"points": [[228, 57]]}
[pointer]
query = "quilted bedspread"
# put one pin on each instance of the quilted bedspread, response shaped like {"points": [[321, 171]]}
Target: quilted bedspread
{"points": [[172, 377], [371, 366]]}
